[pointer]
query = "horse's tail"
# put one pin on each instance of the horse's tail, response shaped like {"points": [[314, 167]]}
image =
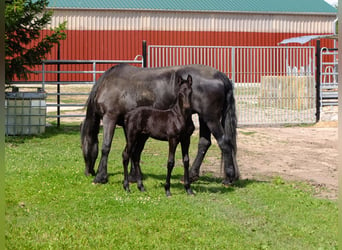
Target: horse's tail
{"points": [[90, 128], [229, 121]]}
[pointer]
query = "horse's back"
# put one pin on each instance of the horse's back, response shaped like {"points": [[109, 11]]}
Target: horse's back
{"points": [[125, 87]]}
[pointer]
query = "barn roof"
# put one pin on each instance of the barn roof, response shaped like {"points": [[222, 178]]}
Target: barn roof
{"points": [[262, 6]]}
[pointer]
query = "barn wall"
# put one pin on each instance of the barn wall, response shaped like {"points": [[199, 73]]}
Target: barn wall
{"points": [[110, 45], [108, 34], [191, 21], [118, 35]]}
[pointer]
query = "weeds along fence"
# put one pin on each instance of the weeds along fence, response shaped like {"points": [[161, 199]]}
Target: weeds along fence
{"points": [[273, 85]]}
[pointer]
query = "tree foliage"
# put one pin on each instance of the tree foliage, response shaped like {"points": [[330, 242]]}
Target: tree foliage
{"points": [[24, 45]]}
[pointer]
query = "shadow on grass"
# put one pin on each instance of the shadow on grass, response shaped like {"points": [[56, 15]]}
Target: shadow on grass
{"points": [[51, 131], [204, 184], [214, 185]]}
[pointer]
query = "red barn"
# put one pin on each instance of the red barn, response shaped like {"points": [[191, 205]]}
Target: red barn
{"points": [[112, 29]]}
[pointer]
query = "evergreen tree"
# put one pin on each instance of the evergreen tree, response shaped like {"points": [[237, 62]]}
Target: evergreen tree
{"points": [[24, 46]]}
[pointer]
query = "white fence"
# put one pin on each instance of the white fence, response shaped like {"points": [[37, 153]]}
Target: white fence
{"points": [[273, 85]]}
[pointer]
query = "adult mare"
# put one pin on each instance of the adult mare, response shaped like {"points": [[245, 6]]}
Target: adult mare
{"points": [[124, 87]]}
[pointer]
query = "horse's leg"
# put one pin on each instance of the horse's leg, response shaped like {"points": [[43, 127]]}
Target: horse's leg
{"points": [[185, 143], [109, 123], [203, 146], [125, 161], [136, 156], [132, 176], [170, 164], [226, 147]]}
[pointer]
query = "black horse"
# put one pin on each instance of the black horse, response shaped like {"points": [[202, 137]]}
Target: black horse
{"points": [[124, 87], [173, 125]]}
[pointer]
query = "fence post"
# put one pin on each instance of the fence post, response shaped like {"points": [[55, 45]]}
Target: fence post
{"points": [[318, 80], [58, 86], [144, 53], [232, 63]]}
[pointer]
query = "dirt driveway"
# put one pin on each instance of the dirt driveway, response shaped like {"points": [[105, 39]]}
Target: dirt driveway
{"points": [[295, 153]]}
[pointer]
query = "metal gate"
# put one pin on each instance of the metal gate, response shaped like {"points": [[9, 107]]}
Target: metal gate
{"points": [[273, 85], [67, 84], [329, 77]]}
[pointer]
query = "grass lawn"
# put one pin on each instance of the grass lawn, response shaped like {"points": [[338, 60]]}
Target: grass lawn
{"points": [[50, 204]]}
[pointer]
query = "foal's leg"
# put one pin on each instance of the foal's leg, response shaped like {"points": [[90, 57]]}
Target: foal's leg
{"points": [[170, 164], [185, 142], [109, 123], [132, 177], [136, 156], [203, 146], [125, 160]]}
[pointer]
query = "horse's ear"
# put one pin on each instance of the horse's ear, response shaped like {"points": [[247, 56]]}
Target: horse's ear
{"points": [[189, 79]]}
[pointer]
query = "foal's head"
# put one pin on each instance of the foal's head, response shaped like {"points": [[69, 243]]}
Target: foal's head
{"points": [[184, 94]]}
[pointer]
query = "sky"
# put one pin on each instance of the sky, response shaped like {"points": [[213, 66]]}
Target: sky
{"points": [[332, 2]]}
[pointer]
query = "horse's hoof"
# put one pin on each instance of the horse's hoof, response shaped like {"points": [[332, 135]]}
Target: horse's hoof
{"points": [[168, 194], [100, 180], [226, 183], [190, 192], [142, 189]]}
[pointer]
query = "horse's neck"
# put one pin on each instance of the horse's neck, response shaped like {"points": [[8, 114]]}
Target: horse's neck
{"points": [[179, 110]]}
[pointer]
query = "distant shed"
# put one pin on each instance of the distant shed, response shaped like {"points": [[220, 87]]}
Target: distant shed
{"points": [[115, 29]]}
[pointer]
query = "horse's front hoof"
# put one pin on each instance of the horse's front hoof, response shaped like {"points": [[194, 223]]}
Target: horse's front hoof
{"points": [[226, 183], [168, 193], [142, 189], [190, 192], [127, 189], [100, 180]]}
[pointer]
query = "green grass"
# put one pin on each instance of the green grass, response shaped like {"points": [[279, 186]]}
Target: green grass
{"points": [[50, 204]]}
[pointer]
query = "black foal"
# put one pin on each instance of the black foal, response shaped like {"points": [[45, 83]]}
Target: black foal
{"points": [[173, 125]]}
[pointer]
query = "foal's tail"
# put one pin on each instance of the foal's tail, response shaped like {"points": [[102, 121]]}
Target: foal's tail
{"points": [[229, 121]]}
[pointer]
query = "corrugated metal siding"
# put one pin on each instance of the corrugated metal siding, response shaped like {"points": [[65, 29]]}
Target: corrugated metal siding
{"points": [[180, 21], [118, 35], [123, 45], [88, 45], [314, 6]]}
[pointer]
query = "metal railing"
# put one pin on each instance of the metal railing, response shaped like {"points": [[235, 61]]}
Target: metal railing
{"points": [[329, 77], [273, 85], [76, 77]]}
